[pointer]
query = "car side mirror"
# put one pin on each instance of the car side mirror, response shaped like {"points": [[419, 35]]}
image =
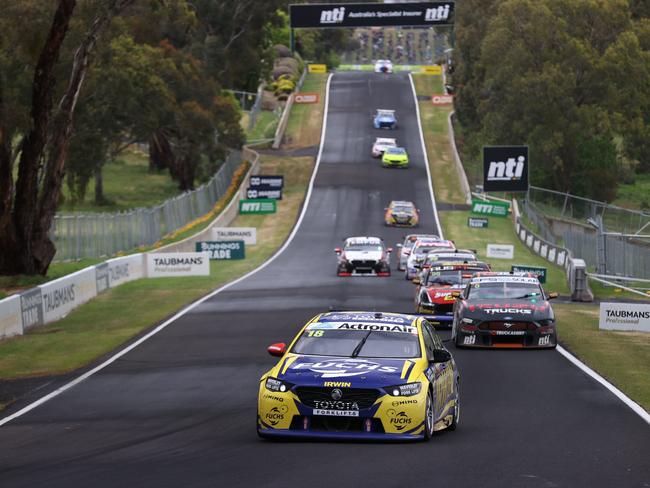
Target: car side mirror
{"points": [[278, 349], [552, 295], [441, 356], [416, 281], [398, 246], [455, 294], [337, 250]]}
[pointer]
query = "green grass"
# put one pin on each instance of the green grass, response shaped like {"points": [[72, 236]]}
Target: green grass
{"points": [[128, 184], [265, 126], [304, 125], [121, 313], [636, 195], [621, 357], [446, 183]]}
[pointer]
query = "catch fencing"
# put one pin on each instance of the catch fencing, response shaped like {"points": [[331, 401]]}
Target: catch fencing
{"points": [[97, 235], [608, 238]]}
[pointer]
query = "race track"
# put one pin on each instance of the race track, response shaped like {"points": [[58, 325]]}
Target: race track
{"points": [[179, 410]]}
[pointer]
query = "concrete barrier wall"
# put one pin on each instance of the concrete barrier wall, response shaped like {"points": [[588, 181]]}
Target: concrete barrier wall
{"points": [[11, 322], [61, 296]]}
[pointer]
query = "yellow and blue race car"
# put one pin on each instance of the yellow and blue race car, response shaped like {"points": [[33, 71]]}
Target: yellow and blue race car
{"points": [[360, 375]]}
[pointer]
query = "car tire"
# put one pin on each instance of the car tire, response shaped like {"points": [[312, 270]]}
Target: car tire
{"points": [[456, 418], [429, 417]]}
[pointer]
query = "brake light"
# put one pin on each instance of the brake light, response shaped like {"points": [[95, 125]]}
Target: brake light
{"points": [[468, 328]]}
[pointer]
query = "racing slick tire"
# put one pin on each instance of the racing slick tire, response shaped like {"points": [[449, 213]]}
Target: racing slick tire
{"points": [[456, 419], [429, 417]]}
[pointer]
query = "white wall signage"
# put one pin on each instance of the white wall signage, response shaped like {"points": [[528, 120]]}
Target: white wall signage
{"points": [[167, 264], [500, 251], [65, 294], [11, 323], [625, 316], [246, 234]]}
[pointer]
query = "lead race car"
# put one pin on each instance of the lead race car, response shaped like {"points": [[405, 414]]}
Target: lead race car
{"points": [[507, 310], [360, 375], [363, 256], [385, 119]]}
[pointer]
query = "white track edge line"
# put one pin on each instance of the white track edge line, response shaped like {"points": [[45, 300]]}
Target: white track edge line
{"points": [[132, 346], [426, 157], [636, 408]]}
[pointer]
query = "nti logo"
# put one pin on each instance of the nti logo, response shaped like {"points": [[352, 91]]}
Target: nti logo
{"points": [[334, 16], [251, 206], [437, 14], [505, 171], [505, 168]]}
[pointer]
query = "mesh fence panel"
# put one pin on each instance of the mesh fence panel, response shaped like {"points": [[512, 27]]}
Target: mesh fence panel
{"points": [[97, 235]]}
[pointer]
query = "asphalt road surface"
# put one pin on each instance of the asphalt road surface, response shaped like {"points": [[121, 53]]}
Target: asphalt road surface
{"points": [[179, 410]]}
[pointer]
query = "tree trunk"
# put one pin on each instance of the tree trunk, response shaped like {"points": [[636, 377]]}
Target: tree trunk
{"points": [[26, 246], [99, 185], [160, 151]]}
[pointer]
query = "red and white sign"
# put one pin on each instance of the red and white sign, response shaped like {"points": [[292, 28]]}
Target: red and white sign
{"points": [[306, 98], [442, 99]]}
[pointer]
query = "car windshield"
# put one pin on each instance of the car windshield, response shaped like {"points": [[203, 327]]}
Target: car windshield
{"points": [[395, 150], [447, 278], [489, 291], [451, 257], [402, 208], [423, 250], [358, 343], [363, 247], [385, 143]]}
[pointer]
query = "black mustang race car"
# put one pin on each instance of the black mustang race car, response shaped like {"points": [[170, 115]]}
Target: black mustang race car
{"points": [[504, 310]]}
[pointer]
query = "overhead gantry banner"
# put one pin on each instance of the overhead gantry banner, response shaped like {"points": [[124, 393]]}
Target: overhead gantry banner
{"points": [[371, 14]]}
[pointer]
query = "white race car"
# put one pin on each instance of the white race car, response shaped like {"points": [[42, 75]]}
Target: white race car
{"points": [[381, 144], [363, 256], [383, 66], [421, 248], [405, 249]]}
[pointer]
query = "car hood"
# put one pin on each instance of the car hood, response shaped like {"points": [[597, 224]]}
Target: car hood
{"points": [[363, 255], [524, 310], [358, 372]]}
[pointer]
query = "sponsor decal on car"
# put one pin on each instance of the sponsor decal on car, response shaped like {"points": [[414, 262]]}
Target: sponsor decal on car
{"points": [[336, 413], [276, 415], [400, 420], [344, 367]]}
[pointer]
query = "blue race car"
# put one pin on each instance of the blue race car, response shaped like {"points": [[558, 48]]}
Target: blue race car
{"points": [[385, 119]]}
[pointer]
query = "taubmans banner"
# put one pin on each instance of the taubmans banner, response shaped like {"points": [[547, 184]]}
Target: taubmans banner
{"points": [[625, 316], [371, 14]]}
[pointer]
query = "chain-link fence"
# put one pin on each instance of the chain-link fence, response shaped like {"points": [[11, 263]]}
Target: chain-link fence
{"points": [[96, 235], [612, 240]]}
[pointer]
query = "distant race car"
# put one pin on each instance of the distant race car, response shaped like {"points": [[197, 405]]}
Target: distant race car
{"points": [[360, 375], [437, 256], [385, 119], [404, 249], [401, 214], [508, 310], [420, 251], [434, 294], [383, 66], [381, 144], [363, 256], [395, 157]]}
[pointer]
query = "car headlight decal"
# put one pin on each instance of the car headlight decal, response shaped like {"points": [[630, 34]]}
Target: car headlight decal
{"points": [[407, 389], [274, 384]]}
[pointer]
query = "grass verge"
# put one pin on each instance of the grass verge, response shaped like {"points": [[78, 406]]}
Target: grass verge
{"points": [[621, 357], [123, 312], [264, 127], [446, 183], [304, 125]]}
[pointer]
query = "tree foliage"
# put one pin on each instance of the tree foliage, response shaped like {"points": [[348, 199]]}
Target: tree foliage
{"points": [[567, 78]]}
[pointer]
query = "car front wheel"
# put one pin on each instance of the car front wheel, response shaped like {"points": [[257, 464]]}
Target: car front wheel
{"points": [[456, 419], [429, 417]]}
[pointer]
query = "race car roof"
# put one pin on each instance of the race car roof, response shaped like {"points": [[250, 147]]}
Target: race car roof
{"points": [[386, 141], [363, 240], [370, 321], [459, 266], [402, 202], [504, 279], [433, 242], [415, 237]]}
